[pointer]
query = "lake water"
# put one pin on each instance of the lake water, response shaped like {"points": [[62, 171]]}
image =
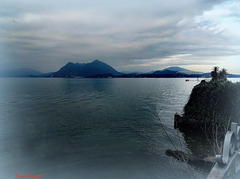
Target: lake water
{"points": [[92, 128]]}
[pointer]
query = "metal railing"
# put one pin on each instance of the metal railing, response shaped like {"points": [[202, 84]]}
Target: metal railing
{"points": [[228, 164]]}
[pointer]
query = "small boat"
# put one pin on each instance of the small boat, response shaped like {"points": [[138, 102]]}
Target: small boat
{"points": [[187, 80]]}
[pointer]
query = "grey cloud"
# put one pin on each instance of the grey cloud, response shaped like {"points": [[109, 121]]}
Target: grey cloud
{"points": [[120, 33]]}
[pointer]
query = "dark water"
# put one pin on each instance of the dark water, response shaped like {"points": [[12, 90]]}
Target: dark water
{"points": [[92, 128]]}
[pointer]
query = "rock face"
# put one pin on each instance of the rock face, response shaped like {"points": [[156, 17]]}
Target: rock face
{"points": [[214, 102], [181, 121], [212, 106], [92, 69]]}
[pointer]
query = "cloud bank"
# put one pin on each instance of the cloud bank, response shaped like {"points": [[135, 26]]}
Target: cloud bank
{"points": [[131, 36]]}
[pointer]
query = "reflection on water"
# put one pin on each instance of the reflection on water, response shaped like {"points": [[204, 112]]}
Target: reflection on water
{"points": [[92, 128]]}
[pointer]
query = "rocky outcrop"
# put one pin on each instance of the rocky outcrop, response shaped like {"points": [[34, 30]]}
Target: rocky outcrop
{"points": [[181, 121]]}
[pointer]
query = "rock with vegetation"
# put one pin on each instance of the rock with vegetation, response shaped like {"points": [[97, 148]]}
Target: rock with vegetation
{"points": [[215, 102]]}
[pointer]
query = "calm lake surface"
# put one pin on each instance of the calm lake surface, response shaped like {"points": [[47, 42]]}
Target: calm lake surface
{"points": [[92, 128]]}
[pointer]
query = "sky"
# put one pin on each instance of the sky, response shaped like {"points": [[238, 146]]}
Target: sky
{"points": [[130, 35]]}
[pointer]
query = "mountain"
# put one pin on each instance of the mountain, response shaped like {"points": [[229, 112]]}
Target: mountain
{"points": [[233, 76], [177, 70], [21, 72], [93, 69], [98, 69], [167, 72], [171, 72]]}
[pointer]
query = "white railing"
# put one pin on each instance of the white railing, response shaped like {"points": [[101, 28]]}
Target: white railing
{"points": [[228, 164]]}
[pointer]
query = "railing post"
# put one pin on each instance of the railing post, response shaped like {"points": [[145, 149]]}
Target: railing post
{"points": [[234, 127], [228, 164]]}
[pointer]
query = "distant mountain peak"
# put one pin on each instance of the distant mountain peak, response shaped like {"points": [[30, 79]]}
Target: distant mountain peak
{"points": [[91, 69], [97, 61], [180, 70], [176, 69]]}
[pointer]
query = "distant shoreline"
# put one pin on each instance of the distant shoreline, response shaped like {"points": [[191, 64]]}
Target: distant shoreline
{"points": [[110, 77]]}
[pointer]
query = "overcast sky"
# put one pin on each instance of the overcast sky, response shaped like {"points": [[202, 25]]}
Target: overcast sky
{"points": [[130, 35]]}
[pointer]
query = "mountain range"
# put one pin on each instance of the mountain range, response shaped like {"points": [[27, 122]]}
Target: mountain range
{"points": [[20, 72], [98, 69]]}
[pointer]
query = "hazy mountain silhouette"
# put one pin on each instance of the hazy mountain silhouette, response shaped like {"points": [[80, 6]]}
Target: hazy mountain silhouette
{"points": [[170, 72], [176, 70], [98, 69], [21, 72], [92, 69]]}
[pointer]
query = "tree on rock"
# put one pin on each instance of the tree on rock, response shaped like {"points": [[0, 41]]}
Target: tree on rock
{"points": [[219, 75], [223, 75], [214, 73]]}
